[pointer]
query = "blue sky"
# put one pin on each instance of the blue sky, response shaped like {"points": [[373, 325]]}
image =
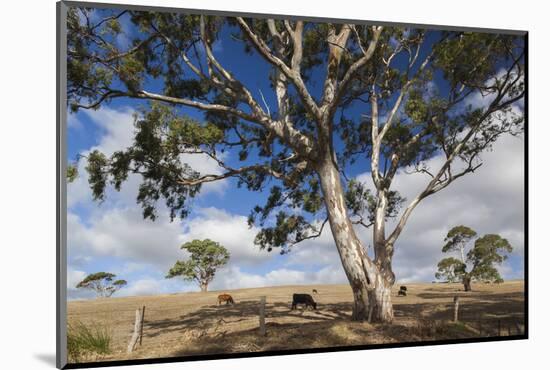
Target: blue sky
{"points": [[112, 236]]}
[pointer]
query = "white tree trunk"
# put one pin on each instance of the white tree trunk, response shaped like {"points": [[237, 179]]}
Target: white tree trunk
{"points": [[370, 292], [381, 308]]}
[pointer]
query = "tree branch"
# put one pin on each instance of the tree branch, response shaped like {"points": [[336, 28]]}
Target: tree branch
{"points": [[295, 78], [435, 184], [354, 68], [311, 236]]}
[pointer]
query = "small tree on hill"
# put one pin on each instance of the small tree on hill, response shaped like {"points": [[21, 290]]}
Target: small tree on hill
{"points": [[206, 257], [102, 283], [488, 250]]}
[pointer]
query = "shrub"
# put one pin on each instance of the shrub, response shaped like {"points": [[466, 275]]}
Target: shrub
{"points": [[83, 340]]}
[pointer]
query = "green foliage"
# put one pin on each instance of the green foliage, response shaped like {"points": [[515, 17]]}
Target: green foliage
{"points": [[361, 202], [416, 107], [469, 58], [458, 237], [206, 256], [130, 71], [107, 276], [488, 251], [85, 340], [97, 168], [161, 136], [450, 269], [289, 229], [72, 172], [114, 26], [102, 283]]}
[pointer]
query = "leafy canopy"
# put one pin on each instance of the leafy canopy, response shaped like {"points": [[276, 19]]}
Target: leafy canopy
{"points": [[102, 283], [487, 251], [206, 256], [458, 237]]}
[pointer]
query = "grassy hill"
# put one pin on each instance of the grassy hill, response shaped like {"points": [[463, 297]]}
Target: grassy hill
{"points": [[192, 323]]}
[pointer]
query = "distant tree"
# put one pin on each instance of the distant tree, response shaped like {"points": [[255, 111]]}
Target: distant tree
{"points": [[487, 251], [206, 257], [102, 283]]}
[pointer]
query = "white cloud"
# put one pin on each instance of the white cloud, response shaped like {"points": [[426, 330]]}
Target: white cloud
{"points": [[235, 278], [152, 286], [125, 234], [73, 122], [229, 230], [73, 278]]}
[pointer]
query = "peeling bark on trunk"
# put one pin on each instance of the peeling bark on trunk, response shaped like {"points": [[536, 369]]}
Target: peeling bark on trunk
{"points": [[380, 298], [371, 293]]}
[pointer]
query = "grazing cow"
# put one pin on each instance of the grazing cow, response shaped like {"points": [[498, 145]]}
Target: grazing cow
{"points": [[315, 291], [225, 298], [402, 291], [305, 299]]}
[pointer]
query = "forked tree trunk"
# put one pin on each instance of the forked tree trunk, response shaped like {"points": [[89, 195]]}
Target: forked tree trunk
{"points": [[370, 293]]}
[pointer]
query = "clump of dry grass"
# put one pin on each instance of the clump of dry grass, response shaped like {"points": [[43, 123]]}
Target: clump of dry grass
{"points": [[426, 329], [87, 340]]}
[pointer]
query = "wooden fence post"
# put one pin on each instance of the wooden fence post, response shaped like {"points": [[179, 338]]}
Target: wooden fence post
{"points": [[138, 328], [518, 328], [142, 321], [457, 302], [262, 316]]}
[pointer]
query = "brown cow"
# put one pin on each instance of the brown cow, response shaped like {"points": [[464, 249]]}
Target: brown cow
{"points": [[225, 298]]}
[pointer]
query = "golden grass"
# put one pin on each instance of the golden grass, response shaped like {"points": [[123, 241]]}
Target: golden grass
{"points": [[192, 323]]}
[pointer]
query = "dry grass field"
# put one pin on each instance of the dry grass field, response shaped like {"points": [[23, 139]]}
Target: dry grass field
{"points": [[192, 323]]}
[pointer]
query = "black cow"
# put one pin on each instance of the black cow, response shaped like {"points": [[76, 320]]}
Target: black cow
{"points": [[305, 299], [402, 291]]}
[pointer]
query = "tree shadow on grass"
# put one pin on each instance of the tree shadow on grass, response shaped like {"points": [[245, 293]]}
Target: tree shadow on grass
{"points": [[234, 328], [320, 334], [208, 316]]}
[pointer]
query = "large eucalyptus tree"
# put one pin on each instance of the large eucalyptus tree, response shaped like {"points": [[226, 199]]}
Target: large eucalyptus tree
{"points": [[420, 94]]}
